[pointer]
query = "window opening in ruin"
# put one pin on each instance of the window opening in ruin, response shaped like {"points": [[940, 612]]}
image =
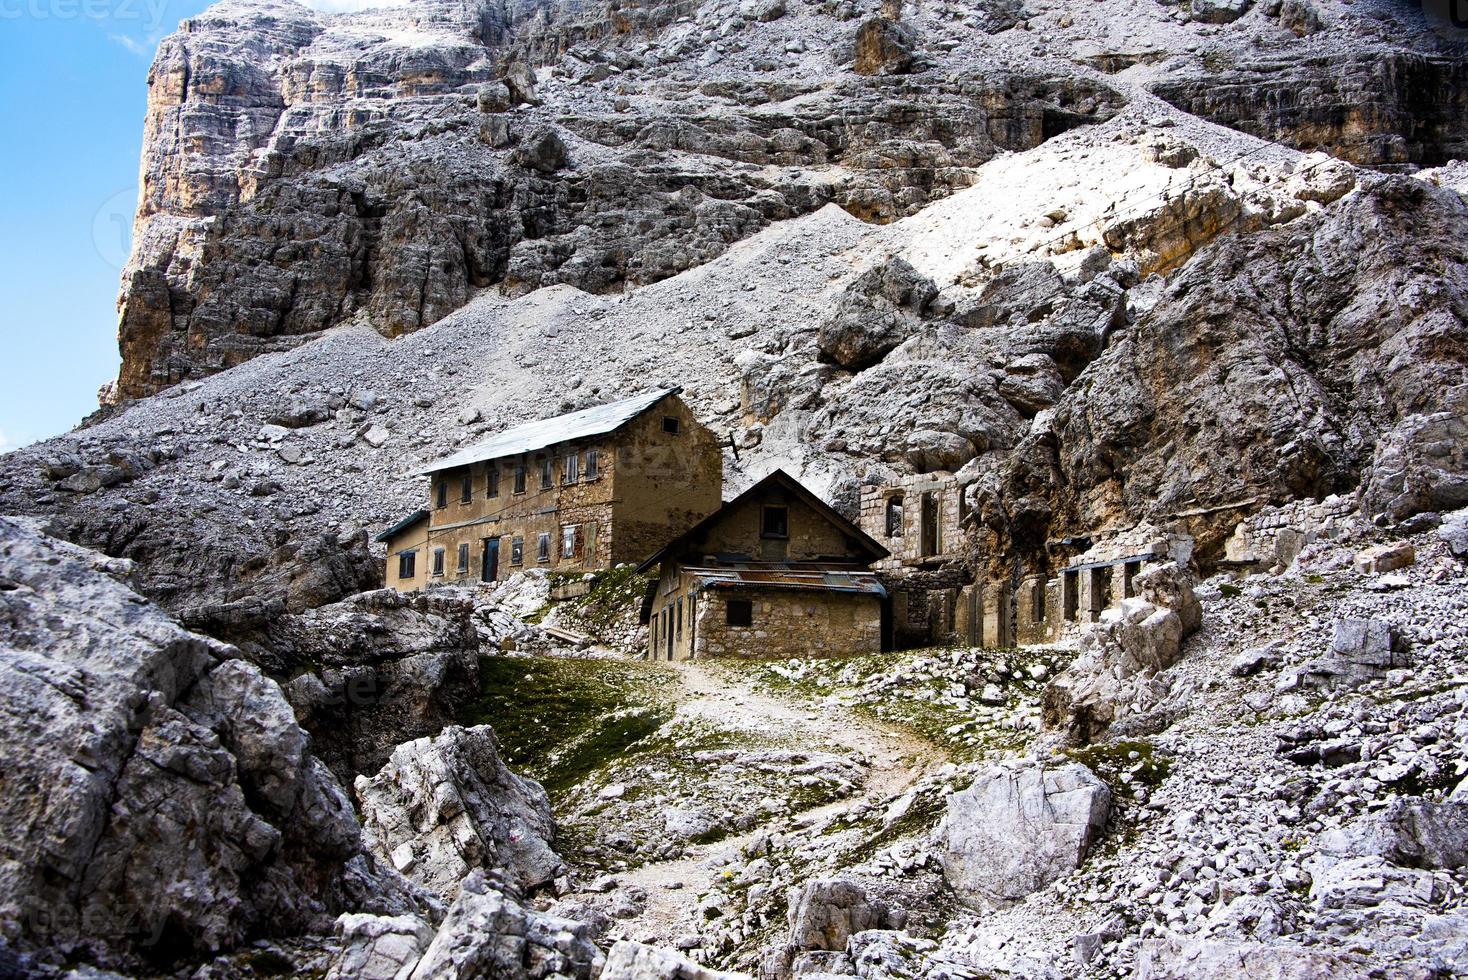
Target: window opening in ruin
{"points": [[932, 536], [1070, 595], [775, 522], [894, 517], [739, 612], [670, 424]]}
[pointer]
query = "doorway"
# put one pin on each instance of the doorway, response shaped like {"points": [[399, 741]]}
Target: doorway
{"points": [[491, 570]]}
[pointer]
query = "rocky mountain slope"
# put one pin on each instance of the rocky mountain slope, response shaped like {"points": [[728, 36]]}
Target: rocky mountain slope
{"points": [[1111, 263]]}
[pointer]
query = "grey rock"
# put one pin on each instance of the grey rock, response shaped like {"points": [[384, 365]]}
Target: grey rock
{"points": [[826, 912], [379, 947], [629, 960], [447, 805], [1018, 828], [1413, 833], [1207, 959]]}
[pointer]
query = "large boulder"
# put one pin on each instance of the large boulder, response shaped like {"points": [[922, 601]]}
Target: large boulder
{"points": [[158, 789], [447, 805], [1018, 828], [884, 47], [1410, 832], [826, 912], [880, 309], [1421, 463], [1361, 651]]}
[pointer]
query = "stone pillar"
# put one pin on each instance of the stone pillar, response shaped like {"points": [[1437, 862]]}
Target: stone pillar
{"points": [[996, 614]]}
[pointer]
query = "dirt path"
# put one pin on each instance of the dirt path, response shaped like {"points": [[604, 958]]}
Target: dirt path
{"points": [[722, 696]]}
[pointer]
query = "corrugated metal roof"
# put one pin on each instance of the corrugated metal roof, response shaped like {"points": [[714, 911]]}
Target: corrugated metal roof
{"points": [[787, 577], [595, 421], [402, 525]]}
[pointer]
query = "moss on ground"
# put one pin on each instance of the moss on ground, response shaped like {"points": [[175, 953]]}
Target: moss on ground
{"points": [[560, 720], [1139, 762]]}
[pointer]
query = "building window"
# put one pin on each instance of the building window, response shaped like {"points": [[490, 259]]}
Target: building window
{"points": [[571, 468], [547, 473], [894, 517], [739, 612], [591, 461], [542, 547], [437, 561], [407, 564], [930, 531], [517, 551], [466, 489], [463, 558], [775, 522], [670, 424], [520, 478], [441, 495], [568, 541], [493, 481], [678, 618]]}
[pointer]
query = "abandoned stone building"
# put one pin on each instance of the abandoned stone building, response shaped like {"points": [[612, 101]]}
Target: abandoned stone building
{"points": [[776, 572], [579, 492], [936, 597], [919, 520]]}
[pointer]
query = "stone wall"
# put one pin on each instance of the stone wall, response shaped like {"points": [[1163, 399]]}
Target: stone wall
{"points": [[908, 547], [1270, 540], [789, 623]]}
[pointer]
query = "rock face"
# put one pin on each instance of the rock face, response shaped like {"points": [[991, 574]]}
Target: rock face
{"points": [[826, 913], [160, 796], [445, 806], [1122, 654], [1018, 828], [487, 933]]}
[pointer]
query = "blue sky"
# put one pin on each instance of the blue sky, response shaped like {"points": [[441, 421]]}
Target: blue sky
{"points": [[73, 90]]}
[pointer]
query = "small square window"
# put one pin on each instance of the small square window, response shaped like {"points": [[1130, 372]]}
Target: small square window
{"points": [[438, 561], [407, 564], [739, 612], [493, 481], [570, 468], [591, 462], [520, 478], [775, 522], [547, 473], [517, 551], [463, 558], [670, 424], [542, 547]]}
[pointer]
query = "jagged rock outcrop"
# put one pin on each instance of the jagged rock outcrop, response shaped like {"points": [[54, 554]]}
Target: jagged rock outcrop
{"points": [[161, 800], [1019, 827], [1121, 656], [1259, 379], [488, 932], [445, 806], [629, 960]]}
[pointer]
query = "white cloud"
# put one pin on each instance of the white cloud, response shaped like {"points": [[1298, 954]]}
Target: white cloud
{"points": [[132, 44], [351, 6]]}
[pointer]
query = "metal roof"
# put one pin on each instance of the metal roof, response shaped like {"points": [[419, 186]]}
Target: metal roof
{"points": [[774, 576], [595, 421], [402, 525]]}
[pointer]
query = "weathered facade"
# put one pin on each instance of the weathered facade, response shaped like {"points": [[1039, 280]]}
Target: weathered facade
{"points": [[580, 492], [919, 520], [774, 573]]}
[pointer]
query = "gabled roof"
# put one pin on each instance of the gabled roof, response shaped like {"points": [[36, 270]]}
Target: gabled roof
{"points": [[599, 420], [864, 541], [401, 526]]}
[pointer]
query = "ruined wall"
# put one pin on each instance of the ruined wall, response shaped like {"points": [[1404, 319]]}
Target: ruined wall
{"points": [[665, 482], [789, 623], [907, 543]]}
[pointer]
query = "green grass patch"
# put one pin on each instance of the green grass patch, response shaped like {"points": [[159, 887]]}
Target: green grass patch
{"points": [[1112, 760], [561, 719]]}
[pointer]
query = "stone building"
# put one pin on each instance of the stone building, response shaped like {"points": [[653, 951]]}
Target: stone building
{"points": [[919, 520], [579, 492], [775, 572]]}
